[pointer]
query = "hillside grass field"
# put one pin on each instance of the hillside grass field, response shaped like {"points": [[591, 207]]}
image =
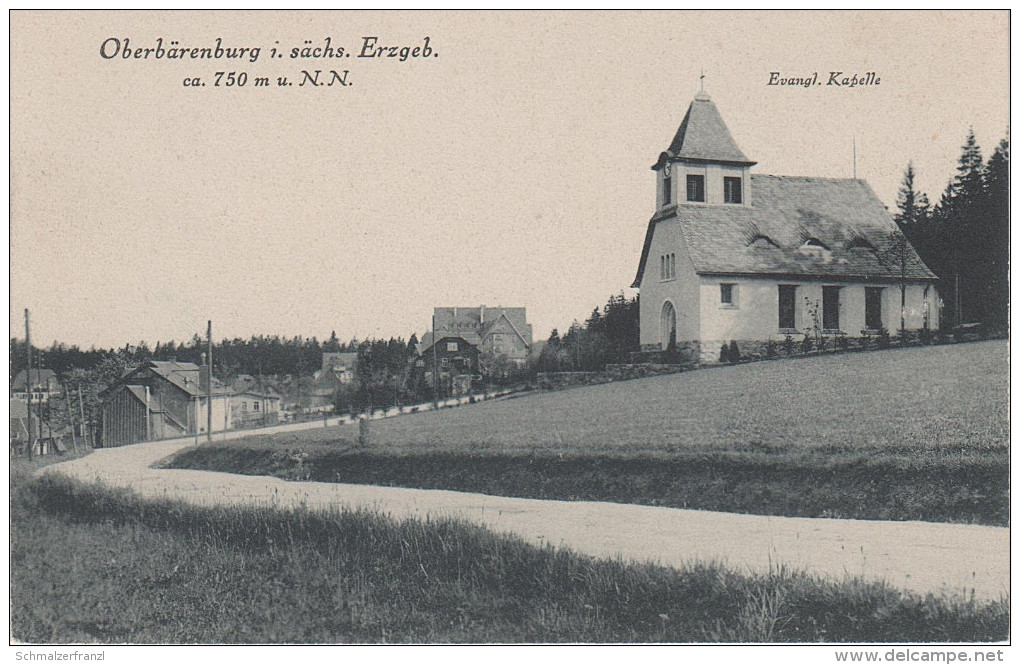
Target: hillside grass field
{"points": [[917, 433], [94, 565]]}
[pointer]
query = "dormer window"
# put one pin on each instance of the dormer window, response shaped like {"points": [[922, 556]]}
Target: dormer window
{"points": [[760, 240], [815, 243], [859, 242], [733, 190], [696, 188]]}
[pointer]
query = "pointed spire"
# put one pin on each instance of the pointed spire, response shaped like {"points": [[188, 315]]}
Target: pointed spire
{"points": [[704, 136]]}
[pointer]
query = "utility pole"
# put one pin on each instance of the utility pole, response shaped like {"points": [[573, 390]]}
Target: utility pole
{"points": [[435, 363], [85, 430], [956, 284], [28, 383], [208, 410], [903, 290], [854, 138], [70, 419]]}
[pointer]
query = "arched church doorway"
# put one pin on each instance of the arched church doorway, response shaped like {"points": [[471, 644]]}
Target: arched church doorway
{"points": [[668, 325]]}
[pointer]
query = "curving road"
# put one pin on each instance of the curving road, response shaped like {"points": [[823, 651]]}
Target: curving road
{"points": [[918, 556]]}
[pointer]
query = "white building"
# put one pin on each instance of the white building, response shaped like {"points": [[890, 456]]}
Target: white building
{"points": [[731, 255]]}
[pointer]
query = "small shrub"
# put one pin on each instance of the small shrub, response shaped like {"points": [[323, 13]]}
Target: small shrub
{"points": [[843, 342], [771, 348], [823, 343], [734, 352], [883, 339], [864, 343], [671, 356], [788, 345], [724, 353], [806, 345]]}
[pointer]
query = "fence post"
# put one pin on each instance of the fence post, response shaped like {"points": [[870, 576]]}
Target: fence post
{"points": [[364, 434]]}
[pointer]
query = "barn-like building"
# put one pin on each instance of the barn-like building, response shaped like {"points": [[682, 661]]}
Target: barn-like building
{"points": [[162, 399]]}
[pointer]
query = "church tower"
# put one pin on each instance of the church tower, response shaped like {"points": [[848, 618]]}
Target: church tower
{"points": [[703, 164]]}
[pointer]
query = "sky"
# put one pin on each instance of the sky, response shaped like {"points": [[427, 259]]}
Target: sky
{"points": [[511, 167]]}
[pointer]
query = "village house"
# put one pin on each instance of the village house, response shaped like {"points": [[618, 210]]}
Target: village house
{"points": [[162, 399], [44, 386], [49, 434], [21, 420], [251, 404], [465, 337], [342, 365], [735, 256]]}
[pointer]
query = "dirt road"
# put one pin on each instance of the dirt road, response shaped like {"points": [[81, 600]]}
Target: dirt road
{"points": [[919, 556]]}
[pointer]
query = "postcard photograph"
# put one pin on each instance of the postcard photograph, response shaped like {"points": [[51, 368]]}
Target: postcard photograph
{"points": [[518, 327]]}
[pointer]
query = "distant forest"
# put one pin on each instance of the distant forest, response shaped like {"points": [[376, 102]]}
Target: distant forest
{"points": [[261, 354]]}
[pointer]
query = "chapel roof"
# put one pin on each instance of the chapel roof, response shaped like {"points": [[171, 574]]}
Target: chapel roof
{"points": [[795, 226]]}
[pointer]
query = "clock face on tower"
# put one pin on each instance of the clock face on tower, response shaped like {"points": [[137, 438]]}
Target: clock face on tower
{"points": [[666, 169]]}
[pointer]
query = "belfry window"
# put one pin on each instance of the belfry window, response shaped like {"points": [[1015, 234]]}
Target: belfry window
{"points": [[732, 190], [696, 188]]}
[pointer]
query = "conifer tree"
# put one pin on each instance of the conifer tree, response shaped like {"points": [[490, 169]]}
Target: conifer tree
{"points": [[992, 238], [912, 206], [956, 241]]}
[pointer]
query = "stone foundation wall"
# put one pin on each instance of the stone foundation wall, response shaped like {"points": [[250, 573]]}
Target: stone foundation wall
{"points": [[750, 349], [561, 380], [687, 353], [651, 361]]}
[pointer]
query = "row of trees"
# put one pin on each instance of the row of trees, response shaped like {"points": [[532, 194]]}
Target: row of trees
{"points": [[261, 354], [964, 238], [609, 335]]}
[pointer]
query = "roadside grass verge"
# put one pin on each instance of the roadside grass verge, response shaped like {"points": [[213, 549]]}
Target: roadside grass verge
{"points": [[90, 564], [940, 486]]}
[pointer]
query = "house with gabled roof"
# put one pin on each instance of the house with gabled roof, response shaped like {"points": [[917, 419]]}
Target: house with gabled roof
{"points": [[162, 399], [252, 403], [465, 336], [499, 331], [734, 256], [43, 386]]}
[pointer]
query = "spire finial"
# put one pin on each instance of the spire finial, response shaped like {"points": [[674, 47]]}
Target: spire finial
{"points": [[702, 80]]}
